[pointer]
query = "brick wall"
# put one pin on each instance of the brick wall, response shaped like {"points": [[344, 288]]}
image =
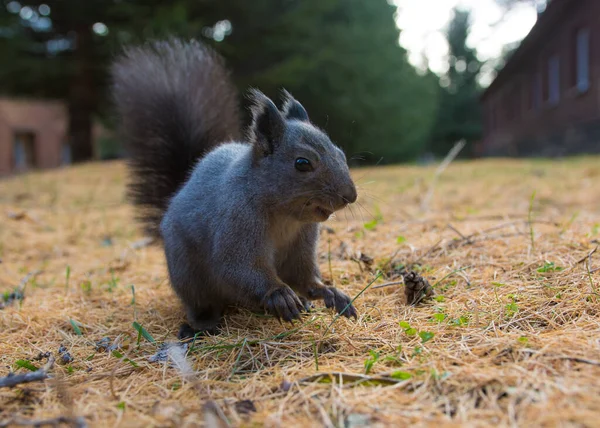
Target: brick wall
{"points": [[46, 119], [519, 123]]}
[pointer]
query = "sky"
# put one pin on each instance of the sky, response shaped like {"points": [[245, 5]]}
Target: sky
{"points": [[423, 22]]}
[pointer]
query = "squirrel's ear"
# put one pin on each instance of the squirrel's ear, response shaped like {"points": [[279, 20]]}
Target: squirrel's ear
{"points": [[268, 124], [292, 109]]}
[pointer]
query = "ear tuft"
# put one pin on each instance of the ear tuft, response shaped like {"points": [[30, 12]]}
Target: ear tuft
{"points": [[292, 109], [268, 124]]}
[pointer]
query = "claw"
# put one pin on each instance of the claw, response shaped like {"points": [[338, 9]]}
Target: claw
{"points": [[284, 304]]}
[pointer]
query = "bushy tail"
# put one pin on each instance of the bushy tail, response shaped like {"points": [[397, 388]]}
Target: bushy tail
{"points": [[175, 102]]}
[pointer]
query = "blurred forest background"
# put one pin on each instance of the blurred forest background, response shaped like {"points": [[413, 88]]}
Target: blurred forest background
{"points": [[341, 58]]}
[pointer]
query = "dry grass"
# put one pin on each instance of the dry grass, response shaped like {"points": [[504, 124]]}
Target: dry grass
{"points": [[514, 330]]}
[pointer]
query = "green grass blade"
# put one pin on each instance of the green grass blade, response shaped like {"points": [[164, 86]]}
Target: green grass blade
{"points": [[75, 326], [26, 365], [141, 330]]}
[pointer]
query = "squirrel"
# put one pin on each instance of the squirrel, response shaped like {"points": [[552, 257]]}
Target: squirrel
{"points": [[238, 215]]}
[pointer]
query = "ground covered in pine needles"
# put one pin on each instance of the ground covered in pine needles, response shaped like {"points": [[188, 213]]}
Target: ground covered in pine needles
{"points": [[511, 336]]}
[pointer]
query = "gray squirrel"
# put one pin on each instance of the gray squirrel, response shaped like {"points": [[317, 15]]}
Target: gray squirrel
{"points": [[238, 216]]}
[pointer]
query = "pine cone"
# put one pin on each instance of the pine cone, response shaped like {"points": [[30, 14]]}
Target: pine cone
{"points": [[416, 288]]}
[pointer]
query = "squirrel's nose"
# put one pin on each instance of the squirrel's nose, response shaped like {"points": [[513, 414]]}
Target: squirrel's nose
{"points": [[349, 194]]}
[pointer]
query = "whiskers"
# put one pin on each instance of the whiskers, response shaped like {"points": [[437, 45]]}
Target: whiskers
{"points": [[304, 205]]}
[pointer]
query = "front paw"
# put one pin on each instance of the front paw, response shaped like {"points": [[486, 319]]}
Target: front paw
{"points": [[284, 304], [334, 298]]}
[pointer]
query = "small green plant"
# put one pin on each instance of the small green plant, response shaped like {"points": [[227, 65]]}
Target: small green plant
{"points": [[512, 308], [523, 340], [121, 406], [426, 336], [369, 362], [408, 330], [68, 275], [26, 364], [113, 283], [401, 239], [400, 375], [393, 359], [120, 356], [86, 286], [462, 321], [371, 225], [417, 351], [570, 222], [439, 317], [447, 285], [549, 267], [142, 332], [133, 302], [76, 327], [378, 218]]}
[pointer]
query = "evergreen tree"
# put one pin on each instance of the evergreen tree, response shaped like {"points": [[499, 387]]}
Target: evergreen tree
{"points": [[459, 115], [341, 58], [62, 49]]}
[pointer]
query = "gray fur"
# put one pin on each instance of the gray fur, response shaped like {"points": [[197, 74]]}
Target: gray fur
{"points": [[243, 229]]}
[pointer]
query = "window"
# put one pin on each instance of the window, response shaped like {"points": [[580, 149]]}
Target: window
{"points": [[554, 80], [24, 151], [66, 154], [582, 60]]}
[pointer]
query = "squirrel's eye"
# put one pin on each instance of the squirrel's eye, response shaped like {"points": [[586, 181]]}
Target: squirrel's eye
{"points": [[303, 165]]}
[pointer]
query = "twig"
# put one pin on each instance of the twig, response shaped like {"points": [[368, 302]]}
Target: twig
{"points": [[353, 378], [469, 238], [459, 233], [580, 360], [75, 422], [13, 380], [440, 170], [390, 260], [588, 255], [28, 278], [388, 284], [450, 274], [429, 251]]}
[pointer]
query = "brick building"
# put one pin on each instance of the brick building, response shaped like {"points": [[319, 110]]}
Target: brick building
{"points": [[32, 135], [546, 99]]}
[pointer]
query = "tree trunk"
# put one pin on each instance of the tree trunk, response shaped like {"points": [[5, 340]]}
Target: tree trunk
{"points": [[82, 99]]}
